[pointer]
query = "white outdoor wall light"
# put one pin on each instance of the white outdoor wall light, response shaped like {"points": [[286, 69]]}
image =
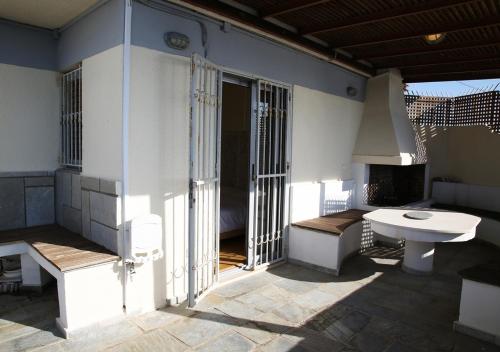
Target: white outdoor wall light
{"points": [[175, 40]]}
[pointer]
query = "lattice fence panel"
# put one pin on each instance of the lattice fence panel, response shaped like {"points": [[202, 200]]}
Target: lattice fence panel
{"points": [[481, 109]]}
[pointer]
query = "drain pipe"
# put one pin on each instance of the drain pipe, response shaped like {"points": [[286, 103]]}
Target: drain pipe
{"points": [[127, 29]]}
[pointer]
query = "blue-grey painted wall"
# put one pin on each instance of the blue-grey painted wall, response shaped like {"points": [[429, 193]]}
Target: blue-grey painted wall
{"points": [[23, 46], [244, 51], [103, 29], [98, 31]]}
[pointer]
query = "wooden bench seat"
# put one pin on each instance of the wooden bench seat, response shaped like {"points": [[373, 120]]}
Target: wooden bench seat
{"points": [[325, 242], [334, 224], [88, 275], [62, 248]]}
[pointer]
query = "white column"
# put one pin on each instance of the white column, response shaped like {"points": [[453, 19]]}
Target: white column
{"points": [[418, 257], [33, 274]]}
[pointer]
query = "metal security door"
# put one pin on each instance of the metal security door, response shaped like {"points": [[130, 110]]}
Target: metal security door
{"points": [[268, 208], [204, 177]]}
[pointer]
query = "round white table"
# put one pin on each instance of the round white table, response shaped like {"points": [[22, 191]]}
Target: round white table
{"points": [[421, 235]]}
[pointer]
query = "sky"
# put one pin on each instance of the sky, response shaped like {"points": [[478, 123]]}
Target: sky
{"points": [[454, 88]]}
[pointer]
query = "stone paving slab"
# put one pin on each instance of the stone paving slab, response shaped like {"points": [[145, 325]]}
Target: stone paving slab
{"points": [[261, 302], [35, 340], [256, 333], [161, 317], [373, 306], [294, 313], [100, 337], [232, 342], [198, 328], [157, 340], [314, 341], [240, 311], [282, 344]]}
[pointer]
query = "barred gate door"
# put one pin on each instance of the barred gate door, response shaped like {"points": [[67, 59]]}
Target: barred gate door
{"points": [[269, 189], [204, 177]]}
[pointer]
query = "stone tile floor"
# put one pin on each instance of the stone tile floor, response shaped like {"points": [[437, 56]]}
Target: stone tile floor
{"points": [[372, 306]]}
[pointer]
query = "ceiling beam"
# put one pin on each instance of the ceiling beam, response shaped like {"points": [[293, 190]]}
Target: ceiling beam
{"points": [[451, 77], [290, 6], [390, 14], [255, 24], [414, 33], [430, 49], [437, 61]]}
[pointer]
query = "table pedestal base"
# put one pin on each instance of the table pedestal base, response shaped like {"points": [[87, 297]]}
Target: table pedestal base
{"points": [[418, 257]]}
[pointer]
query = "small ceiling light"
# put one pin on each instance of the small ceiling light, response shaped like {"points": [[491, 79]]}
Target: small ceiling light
{"points": [[177, 41], [434, 38]]}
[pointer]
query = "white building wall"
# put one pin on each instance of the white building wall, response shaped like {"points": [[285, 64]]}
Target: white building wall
{"points": [[29, 119], [465, 153], [102, 114], [159, 169], [324, 132]]}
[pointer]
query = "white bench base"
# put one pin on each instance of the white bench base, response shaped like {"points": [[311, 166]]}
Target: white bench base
{"points": [[324, 251], [488, 230], [479, 311], [86, 296]]}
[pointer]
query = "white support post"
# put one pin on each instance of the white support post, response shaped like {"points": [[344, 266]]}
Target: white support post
{"points": [[33, 274]]}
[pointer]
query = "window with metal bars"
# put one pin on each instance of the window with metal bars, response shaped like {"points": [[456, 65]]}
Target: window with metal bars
{"points": [[71, 118]]}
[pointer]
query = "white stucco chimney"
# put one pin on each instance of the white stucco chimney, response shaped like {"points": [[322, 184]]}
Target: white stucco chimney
{"points": [[386, 135]]}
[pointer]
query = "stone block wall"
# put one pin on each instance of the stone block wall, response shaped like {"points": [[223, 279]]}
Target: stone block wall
{"points": [[89, 206], [26, 199]]}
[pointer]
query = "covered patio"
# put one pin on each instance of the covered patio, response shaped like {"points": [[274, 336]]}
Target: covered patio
{"points": [[224, 175]]}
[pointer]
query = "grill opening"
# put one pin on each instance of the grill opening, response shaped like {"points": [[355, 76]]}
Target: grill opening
{"points": [[392, 185]]}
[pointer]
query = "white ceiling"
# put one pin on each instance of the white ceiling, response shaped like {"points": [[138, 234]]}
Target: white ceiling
{"points": [[50, 14]]}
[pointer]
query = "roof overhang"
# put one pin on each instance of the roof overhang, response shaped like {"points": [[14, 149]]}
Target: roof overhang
{"points": [[371, 37], [47, 14]]}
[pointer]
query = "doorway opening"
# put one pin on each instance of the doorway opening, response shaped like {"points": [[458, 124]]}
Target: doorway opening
{"points": [[239, 174], [235, 160]]}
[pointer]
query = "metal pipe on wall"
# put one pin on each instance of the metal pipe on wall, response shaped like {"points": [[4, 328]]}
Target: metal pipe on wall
{"points": [[161, 6], [127, 29]]}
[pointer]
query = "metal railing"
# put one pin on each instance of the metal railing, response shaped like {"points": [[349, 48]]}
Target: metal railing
{"points": [[71, 119]]}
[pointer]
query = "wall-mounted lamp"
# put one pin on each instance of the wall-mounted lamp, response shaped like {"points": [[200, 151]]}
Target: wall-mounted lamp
{"points": [[177, 41], [352, 91]]}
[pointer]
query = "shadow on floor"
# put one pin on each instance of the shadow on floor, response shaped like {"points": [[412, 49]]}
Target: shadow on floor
{"points": [[372, 306]]}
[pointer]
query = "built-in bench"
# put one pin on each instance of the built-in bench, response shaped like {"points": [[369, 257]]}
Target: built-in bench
{"points": [[325, 242], [482, 201], [88, 276], [472, 211], [479, 302]]}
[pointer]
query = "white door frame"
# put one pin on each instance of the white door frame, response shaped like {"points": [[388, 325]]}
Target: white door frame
{"points": [[204, 184]]}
